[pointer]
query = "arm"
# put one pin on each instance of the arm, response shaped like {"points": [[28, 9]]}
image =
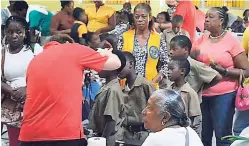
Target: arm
{"points": [[104, 59], [120, 43], [111, 25], [55, 22], [165, 26], [246, 40], [164, 59], [6, 88], [109, 127]]}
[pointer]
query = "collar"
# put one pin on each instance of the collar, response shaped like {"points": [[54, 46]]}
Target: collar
{"points": [[51, 44], [183, 88], [79, 22], [110, 84], [138, 82]]}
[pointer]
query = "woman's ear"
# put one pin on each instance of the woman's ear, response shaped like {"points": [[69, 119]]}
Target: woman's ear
{"points": [[166, 117], [182, 71]]}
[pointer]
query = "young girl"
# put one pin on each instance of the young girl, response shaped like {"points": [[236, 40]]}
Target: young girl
{"points": [[16, 56]]}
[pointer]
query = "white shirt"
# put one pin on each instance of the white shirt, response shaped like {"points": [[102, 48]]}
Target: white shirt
{"points": [[15, 66], [173, 137]]}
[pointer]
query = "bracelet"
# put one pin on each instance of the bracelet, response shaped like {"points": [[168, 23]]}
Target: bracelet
{"points": [[225, 73]]}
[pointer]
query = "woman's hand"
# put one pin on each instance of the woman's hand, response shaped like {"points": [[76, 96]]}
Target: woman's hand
{"points": [[216, 66], [158, 78], [19, 94]]}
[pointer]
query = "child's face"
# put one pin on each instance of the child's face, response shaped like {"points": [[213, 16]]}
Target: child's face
{"points": [[160, 18], [83, 18], [95, 42], [176, 50], [126, 70], [174, 71], [176, 27]]}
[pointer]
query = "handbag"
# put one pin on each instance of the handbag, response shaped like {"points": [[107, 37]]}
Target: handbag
{"points": [[11, 110], [242, 96]]}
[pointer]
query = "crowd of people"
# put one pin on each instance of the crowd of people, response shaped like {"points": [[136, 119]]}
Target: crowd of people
{"points": [[138, 79]]}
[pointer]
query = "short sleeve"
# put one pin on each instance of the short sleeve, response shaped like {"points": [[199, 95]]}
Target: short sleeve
{"points": [[88, 58], [34, 19], [114, 105], [120, 42], [149, 88], [82, 30], [237, 48], [111, 11], [163, 58], [205, 73], [194, 104]]}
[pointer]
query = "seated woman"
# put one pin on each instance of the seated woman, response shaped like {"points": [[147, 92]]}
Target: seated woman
{"points": [[63, 21], [246, 17], [165, 117], [101, 18]]}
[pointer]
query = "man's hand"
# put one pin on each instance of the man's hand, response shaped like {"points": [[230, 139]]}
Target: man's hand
{"points": [[19, 94]]}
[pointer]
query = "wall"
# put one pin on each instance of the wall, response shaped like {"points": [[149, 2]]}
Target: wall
{"points": [[54, 5]]}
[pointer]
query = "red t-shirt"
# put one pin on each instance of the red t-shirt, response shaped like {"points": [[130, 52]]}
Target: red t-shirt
{"points": [[187, 10], [200, 19], [53, 108]]}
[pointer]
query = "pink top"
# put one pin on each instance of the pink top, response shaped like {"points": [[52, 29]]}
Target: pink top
{"points": [[223, 53]]}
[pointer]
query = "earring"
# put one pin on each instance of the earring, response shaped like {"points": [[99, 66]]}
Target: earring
{"points": [[163, 123]]}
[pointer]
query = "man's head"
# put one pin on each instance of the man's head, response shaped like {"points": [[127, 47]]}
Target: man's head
{"points": [[61, 38], [20, 8], [178, 69], [177, 21], [129, 67], [180, 46], [80, 15]]}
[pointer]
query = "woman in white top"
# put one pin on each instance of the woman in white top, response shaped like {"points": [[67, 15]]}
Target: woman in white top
{"points": [[165, 117], [16, 56]]}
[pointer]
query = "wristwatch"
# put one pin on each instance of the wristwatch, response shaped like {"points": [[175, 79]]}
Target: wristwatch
{"points": [[225, 72]]}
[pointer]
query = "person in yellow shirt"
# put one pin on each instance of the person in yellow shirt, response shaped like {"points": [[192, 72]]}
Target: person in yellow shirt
{"points": [[101, 18], [245, 40]]}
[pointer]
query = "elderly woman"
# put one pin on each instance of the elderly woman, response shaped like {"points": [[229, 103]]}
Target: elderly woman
{"points": [[146, 45], [165, 117], [223, 52]]}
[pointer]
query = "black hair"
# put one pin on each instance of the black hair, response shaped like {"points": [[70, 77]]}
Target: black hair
{"points": [[112, 39], [182, 63], [222, 15], [225, 8], [65, 3], [122, 59], [170, 101], [129, 16], [88, 37], [166, 15], [148, 9], [77, 12], [20, 5], [183, 41], [61, 38], [130, 57], [24, 23], [244, 13], [127, 3], [177, 19], [196, 8]]}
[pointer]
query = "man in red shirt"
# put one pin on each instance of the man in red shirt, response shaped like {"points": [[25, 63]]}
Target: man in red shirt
{"points": [[187, 10], [52, 112]]}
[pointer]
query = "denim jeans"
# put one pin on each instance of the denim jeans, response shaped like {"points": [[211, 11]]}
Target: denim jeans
{"points": [[217, 115], [241, 121]]}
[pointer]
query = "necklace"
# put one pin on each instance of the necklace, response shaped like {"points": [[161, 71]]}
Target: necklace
{"points": [[217, 36]]}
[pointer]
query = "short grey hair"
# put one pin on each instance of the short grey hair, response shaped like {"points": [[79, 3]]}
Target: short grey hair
{"points": [[170, 101]]}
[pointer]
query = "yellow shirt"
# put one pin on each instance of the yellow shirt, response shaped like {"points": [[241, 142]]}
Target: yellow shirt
{"points": [[98, 19], [245, 41]]}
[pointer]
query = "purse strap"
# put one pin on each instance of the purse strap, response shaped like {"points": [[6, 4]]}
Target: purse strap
{"points": [[3, 60], [241, 78], [187, 138]]}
